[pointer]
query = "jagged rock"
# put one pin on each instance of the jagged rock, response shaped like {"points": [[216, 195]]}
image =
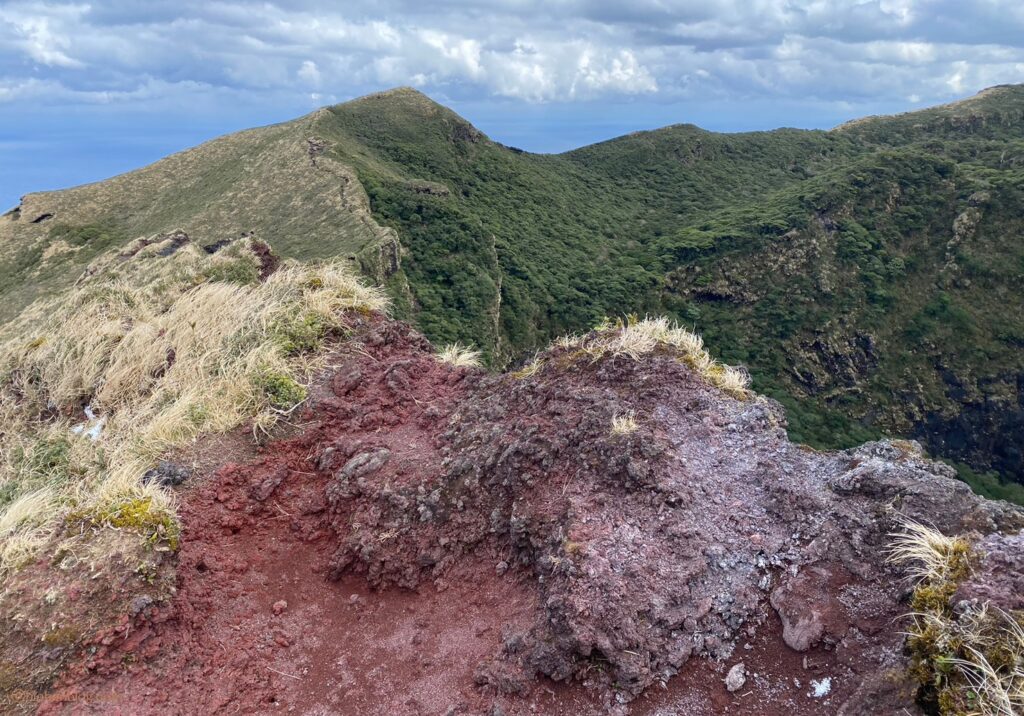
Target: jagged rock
{"points": [[365, 463], [350, 481], [616, 561], [265, 489], [698, 524], [167, 473], [809, 607], [736, 677]]}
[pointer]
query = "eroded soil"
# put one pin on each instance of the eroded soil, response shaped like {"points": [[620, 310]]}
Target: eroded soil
{"points": [[430, 540]]}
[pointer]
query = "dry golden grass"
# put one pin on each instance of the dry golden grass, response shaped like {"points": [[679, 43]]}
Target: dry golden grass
{"points": [[569, 341], [637, 338], [985, 648], [927, 553], [459, 356], [161, 354], [25, 525], [998, 690], [625, 423], [529, 370]]}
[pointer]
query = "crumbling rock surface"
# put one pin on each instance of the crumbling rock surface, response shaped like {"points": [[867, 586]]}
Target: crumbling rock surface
{"points": [[595, 572], [998, 576], [652, 548]]}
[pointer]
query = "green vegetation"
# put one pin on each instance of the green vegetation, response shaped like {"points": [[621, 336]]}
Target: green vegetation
{"points": [[864, 276], [303, 333], [990, 484], [97, 237], [867, 277], [508, 249], [152, 519], [240, 271], [282, 391], [35, 269]]}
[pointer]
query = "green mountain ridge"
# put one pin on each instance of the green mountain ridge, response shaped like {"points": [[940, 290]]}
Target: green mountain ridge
{"points": [[868, 276]]}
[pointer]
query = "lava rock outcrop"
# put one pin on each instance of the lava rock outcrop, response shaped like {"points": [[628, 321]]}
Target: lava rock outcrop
{"points": [[678, 540]]}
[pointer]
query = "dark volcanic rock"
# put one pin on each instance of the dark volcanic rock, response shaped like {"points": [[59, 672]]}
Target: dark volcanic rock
{"points": [[167, 473], [678, 540]]}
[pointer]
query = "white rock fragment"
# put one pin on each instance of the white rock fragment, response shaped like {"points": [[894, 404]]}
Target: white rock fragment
{"points": [[94, 432], [92, 427], [736, 677], [821, 689]]}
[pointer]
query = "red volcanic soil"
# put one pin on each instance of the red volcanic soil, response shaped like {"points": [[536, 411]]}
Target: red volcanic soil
{"points": [[257, 626], [300, 591]]}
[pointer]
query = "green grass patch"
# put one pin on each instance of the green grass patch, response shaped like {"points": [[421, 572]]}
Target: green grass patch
{"points": [[141, 514], [990, 484], [303, 333], [281, 391]]}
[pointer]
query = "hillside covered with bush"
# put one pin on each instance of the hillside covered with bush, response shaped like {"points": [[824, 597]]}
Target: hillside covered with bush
{"points": [[868, 277]]}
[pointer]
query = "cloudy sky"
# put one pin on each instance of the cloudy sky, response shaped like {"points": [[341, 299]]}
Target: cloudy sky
{"points": [[89, 89]]}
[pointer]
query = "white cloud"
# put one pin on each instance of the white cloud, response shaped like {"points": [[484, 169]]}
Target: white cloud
{"points": [[956, 80], [530, 50], [901, 10], [619, 72], [309, 73], [36, 31], [566, 71], [459, 56]]}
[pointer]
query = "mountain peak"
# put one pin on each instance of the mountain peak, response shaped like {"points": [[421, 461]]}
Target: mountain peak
{"points": [[402, 112], [403, 98]]}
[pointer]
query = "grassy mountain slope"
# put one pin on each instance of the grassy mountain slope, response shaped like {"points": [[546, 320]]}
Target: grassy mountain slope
{"points": [[868, 276], [268, 182], [566, 238], [887, 294]]}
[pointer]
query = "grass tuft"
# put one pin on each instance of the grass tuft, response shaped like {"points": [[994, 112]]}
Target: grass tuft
{"points": [[459, 356], [636, 338], [25, 525], [300, 334], [625, 423], [930, 556], [968, 662], [568, 341], [529, 370], [151, 515], [280, 390]]}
